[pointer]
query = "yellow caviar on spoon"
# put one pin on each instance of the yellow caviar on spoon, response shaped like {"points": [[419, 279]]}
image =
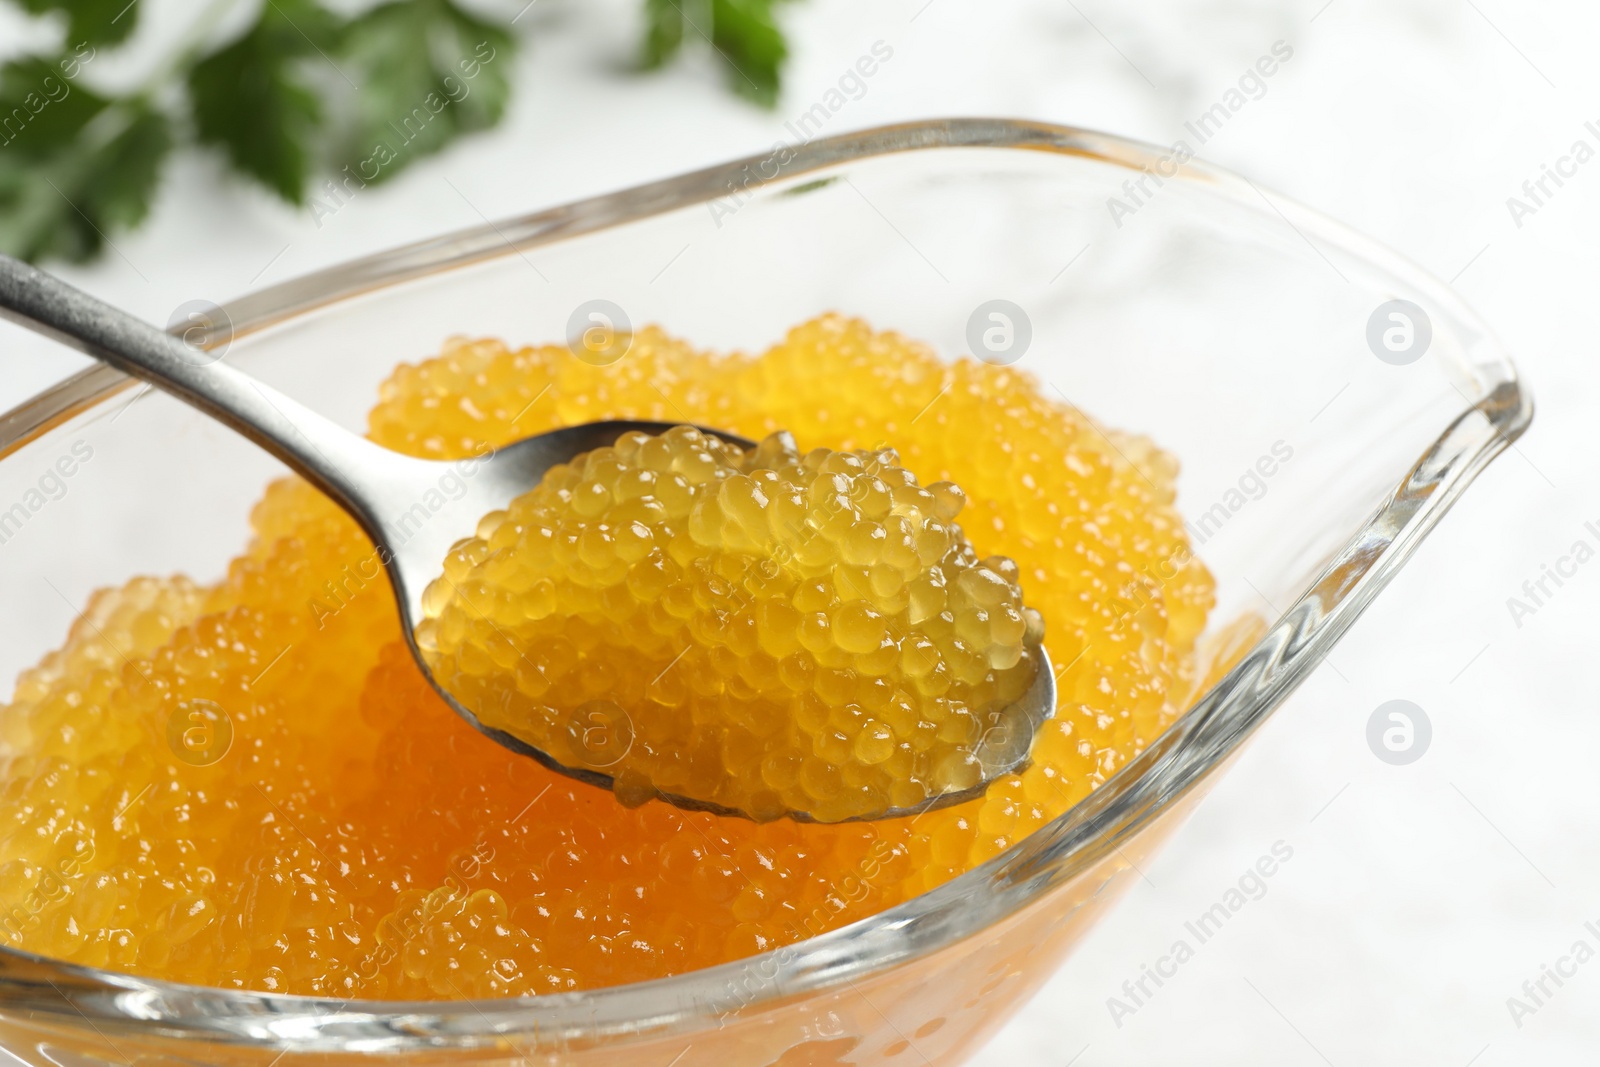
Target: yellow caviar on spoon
{"points": [[764, 631]]}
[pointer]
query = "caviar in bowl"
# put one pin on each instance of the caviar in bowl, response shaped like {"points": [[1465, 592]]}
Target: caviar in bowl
{"points": [[1231, 329]]}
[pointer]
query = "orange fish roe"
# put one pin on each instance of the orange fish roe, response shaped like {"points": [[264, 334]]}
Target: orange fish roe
{"points": [[251, 785], [762, 631]]}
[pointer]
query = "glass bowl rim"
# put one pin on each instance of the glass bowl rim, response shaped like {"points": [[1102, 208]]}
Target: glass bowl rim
{"points": [[1148, 786]]}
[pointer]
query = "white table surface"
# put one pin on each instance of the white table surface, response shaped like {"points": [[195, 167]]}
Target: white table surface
{"points": [[1419, 898]]}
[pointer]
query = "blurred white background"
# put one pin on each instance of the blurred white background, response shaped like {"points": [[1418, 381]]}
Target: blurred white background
{"points": [[1419, 897]]}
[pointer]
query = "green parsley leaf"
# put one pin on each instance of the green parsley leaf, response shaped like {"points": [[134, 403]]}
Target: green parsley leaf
{"points": [[663, 32], [74, 165], [41, 108], [91, 21], [248, 100], [744, 33], [427, 72]]}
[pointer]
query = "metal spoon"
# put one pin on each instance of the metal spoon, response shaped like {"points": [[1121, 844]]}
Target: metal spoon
{"points": [[393, 497]]}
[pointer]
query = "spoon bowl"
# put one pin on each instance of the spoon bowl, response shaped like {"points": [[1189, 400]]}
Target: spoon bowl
{"points": [[402, 502]]}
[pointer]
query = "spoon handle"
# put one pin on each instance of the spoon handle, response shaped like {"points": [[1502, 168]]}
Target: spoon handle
{"points": [[323, 452]]}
